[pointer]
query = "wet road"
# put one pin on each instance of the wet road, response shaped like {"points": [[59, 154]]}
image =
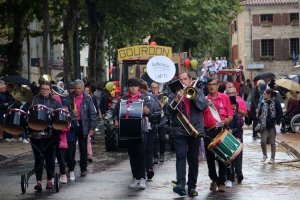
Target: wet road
{"points": [[110, 180]]}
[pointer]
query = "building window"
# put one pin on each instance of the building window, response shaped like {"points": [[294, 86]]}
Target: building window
{"points": [[267, 47], [268, 18], [294, 16], [294, 45]]}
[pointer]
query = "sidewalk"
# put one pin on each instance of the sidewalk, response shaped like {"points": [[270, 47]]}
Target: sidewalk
{"points": [[290, 141]]}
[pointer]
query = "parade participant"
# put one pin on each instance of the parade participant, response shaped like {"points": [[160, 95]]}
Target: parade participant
{"points": [[151, 135], [270, 114], [86, 112], [136, 147], [236, 126], [213, 128], [3, 108], [63, 146], [161, 129], [192, 109], [70, 87], [44, 98]]}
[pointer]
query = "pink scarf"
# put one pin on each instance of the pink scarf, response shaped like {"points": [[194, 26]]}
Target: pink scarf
{"points": [[131, 98]]}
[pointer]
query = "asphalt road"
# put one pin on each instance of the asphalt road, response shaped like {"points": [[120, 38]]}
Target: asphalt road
{"points": [[110, 181]]}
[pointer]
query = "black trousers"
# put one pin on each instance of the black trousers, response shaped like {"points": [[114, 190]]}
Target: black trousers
{"points": [[48, 156], [82, 143], [61, 155], [254, 123], [136, 151], [186, 148], [211, 158], [150, 148], [70, 154], [162, 141]]}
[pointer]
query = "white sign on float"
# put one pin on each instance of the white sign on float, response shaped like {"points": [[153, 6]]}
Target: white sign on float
{"points": [[161, 69]]}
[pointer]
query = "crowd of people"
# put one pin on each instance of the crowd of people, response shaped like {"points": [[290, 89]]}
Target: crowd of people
{"points": [[209, 112]]}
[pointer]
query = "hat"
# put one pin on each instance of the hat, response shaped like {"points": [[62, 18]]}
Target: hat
{"points": [[66, 103], [71, 85]]}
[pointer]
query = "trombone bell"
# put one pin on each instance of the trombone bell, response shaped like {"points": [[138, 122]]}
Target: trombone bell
{"points": [[190, 92]]}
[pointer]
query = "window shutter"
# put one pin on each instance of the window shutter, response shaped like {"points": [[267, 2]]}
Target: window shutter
{"points": [[256, 50], [277, 19], [285, 19], [286, 49], [255, 20], [278, 49]]}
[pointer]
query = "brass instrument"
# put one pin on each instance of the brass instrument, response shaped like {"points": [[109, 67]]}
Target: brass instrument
{"points": [[45, 77], [74, 107], [164, 99], [189, 92], [58, 93]]}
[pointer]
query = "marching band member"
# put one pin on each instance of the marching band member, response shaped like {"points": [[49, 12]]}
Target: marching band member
{"points": [[152, 130], [213, 128], [86, 112], [136, 147], [186, 146], [161, 129], [45, 98]]}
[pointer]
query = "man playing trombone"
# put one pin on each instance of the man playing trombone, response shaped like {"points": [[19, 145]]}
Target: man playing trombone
{"points": [[185, 109]]}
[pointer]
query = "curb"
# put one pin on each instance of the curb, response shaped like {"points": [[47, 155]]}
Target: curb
{"points": [[292, 149], [4, 158]]}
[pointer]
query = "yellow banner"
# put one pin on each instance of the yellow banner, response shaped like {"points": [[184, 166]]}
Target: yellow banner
{"points": [[144, 51]]}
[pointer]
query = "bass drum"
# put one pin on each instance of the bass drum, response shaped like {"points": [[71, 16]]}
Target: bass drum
{"points": [[15, 121]]}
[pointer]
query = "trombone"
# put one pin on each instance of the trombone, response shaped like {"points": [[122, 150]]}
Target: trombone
{"points": [[189, 92]]}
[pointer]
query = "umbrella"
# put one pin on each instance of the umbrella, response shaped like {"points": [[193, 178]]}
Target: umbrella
{"points": [[263, 76], [16, 79], [288, 84], [295, 78], [60, 74]]}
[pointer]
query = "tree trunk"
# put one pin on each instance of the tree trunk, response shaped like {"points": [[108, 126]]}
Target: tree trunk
{"points": [[94, 31], [100, 66], [45, 36], [15, 61], [68, 40]]}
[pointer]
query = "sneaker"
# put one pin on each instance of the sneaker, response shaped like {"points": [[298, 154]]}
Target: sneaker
{"points": [[161, 158], [221, 188], [63, 179], [25, 141], [271, 161], [72, 176], [142, 183], [213, 185], [83, 173], [38, 186], [90, 160], [49, 184], [192, 193], [228, 184], [13, 140], [7, 140], [240, 177], [150, 174], [179, 190], [155, 161], [264, 158], [20, 139], [134, 183]]}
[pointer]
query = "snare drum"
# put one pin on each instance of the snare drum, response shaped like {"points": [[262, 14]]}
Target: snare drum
{"points": [[59, 118], [15, 121], [226, 147], [38, 117], [47, 133]]}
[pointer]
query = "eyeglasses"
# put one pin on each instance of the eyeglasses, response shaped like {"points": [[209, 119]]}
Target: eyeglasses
{"points": [[45, 89], [213, 84]]}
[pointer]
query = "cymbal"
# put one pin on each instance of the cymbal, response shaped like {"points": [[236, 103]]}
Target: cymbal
{"points": [[22, 94]]}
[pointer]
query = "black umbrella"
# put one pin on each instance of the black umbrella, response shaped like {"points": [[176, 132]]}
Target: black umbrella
{"points": [[263, 76], [16, 79]]}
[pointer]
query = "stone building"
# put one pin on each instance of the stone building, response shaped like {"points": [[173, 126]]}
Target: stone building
{"points": [[265, 36]]}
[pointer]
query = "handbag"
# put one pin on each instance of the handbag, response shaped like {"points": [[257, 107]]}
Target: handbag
{"points": [[259, 128]]}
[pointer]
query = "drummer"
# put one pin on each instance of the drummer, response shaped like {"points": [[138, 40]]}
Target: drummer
{"points": [[44, 98], [212, 128]]}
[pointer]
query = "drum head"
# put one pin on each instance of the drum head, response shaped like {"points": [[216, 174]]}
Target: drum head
{"points": [[13, 129], [37, 124], [60, 125]]}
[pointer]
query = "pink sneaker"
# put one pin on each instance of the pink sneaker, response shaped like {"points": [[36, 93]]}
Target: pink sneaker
{"points": [[63, 178]]}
